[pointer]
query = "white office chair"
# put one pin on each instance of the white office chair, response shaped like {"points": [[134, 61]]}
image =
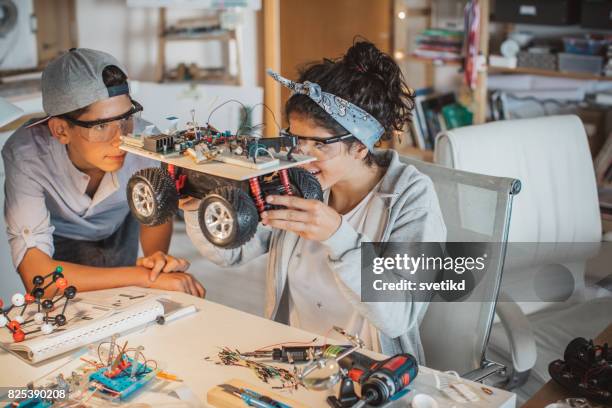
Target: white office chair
{"points": [[476, 208], [558, 204]]}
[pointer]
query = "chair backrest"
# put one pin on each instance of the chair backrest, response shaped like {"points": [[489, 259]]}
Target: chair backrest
{"points": [[476, 208], [550, 155], [558, 202]]}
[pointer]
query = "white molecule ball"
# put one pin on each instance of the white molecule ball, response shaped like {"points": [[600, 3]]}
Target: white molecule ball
{"points": [[39, 318], [18, 299], [46, 328], [3, 321], [19, 319]]}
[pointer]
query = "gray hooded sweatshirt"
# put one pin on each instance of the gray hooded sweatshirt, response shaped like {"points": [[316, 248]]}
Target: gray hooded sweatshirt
{"points": [[404, 209]]}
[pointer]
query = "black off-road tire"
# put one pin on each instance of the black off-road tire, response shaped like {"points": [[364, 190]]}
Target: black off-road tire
{"points": [[235, 213], [307, 185], [152, 196]]}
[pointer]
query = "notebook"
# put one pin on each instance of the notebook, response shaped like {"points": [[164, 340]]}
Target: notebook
{"points": [[91, 317]]}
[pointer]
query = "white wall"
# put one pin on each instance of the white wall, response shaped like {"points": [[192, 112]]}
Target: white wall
{"points": [[130, 34]]}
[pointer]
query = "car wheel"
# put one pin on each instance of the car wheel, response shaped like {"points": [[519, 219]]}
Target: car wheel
{"points": [[152, 196], [228, 217], [307, 185]]}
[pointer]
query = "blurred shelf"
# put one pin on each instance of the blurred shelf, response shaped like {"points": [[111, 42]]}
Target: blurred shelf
{"points": [[543, 72], [606, 223], [211, 36], [13, 72], [435, 62], [197, 29], [415, 152]]}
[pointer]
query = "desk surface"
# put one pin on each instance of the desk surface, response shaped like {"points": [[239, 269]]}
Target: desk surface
{"points": [[553, 392], [183, 344]]}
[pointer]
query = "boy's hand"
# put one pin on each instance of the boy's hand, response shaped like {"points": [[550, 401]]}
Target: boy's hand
{"points": [[179, 282], [160, 262], [189, 204]]}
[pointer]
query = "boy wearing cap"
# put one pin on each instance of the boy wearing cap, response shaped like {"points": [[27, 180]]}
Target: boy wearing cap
{"points": [[66, 180]]}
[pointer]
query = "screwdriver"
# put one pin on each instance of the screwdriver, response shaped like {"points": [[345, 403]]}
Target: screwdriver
{"points": [[252, 398]]}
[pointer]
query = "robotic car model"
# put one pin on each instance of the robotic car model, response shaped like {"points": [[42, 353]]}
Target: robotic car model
{"points": [[226, 171]]}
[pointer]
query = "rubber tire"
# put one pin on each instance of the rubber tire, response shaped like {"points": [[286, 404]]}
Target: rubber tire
{"points": [[243, 211], [307, 185], [165, 195]]}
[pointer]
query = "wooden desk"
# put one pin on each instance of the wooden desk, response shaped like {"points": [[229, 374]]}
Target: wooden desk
{"points": [[183, 344], [551, 391]]}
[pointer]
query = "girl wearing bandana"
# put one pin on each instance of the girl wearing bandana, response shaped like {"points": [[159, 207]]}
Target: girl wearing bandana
{"points": [[339, 110]]}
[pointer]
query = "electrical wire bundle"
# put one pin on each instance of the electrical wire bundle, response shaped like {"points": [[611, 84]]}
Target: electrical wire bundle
{"points": [[265, 372]]}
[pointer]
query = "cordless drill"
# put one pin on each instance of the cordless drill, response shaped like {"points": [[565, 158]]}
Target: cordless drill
{"points": [[381, 381]]}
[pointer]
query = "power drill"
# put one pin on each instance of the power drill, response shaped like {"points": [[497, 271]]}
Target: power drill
{"points": [[381, 381]]}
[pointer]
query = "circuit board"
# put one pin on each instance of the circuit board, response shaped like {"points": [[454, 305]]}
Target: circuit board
{"points": [[123, 385], [220, 169]]}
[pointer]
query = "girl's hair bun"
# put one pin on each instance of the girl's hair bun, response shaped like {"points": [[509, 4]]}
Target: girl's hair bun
{"points": [[365, 76], [364, 58]]}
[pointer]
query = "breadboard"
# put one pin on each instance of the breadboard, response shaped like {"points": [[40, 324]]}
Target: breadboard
{"points": [[263, 162]]}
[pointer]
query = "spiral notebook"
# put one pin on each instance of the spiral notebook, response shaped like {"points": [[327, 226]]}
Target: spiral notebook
{"points": [[92, 317]]}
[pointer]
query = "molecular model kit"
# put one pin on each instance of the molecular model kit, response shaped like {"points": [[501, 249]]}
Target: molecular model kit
{"points": [[18, 317]]}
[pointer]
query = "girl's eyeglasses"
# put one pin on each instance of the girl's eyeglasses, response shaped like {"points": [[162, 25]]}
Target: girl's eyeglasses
{"points": [[320, 145]]}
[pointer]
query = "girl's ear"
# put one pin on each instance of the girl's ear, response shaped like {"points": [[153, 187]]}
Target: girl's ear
{"points": [[360, 151], [59, 130]]}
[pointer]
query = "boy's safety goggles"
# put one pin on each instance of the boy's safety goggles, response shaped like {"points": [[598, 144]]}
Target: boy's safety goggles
{"points": [[104, 130]]}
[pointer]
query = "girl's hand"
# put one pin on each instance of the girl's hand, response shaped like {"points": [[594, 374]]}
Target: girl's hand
{"points": [[310, 219], [159, 262], [189, 204]]}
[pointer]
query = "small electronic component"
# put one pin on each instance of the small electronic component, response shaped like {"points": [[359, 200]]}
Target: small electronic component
{"points": [[159, 143]]}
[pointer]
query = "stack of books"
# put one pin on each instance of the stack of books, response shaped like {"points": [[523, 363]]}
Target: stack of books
{"points": [[435, 113], [440, 44]]}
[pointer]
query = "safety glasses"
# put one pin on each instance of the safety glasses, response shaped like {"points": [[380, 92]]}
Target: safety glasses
{"points": [[316, 145], [104, 130]]}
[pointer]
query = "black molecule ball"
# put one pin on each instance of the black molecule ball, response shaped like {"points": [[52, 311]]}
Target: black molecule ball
{"points": [[47, 304], [38, 293], [60, 320], [70, 292]]}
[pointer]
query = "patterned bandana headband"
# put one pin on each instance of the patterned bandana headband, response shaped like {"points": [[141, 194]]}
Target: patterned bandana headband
{"points": [[355, 120]]}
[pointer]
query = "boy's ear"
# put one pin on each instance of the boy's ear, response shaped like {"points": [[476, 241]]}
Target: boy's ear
{"points": [[59, 130]]}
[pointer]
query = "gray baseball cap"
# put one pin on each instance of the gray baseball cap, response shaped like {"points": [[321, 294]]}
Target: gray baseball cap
{"points": [[74, 80]]}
